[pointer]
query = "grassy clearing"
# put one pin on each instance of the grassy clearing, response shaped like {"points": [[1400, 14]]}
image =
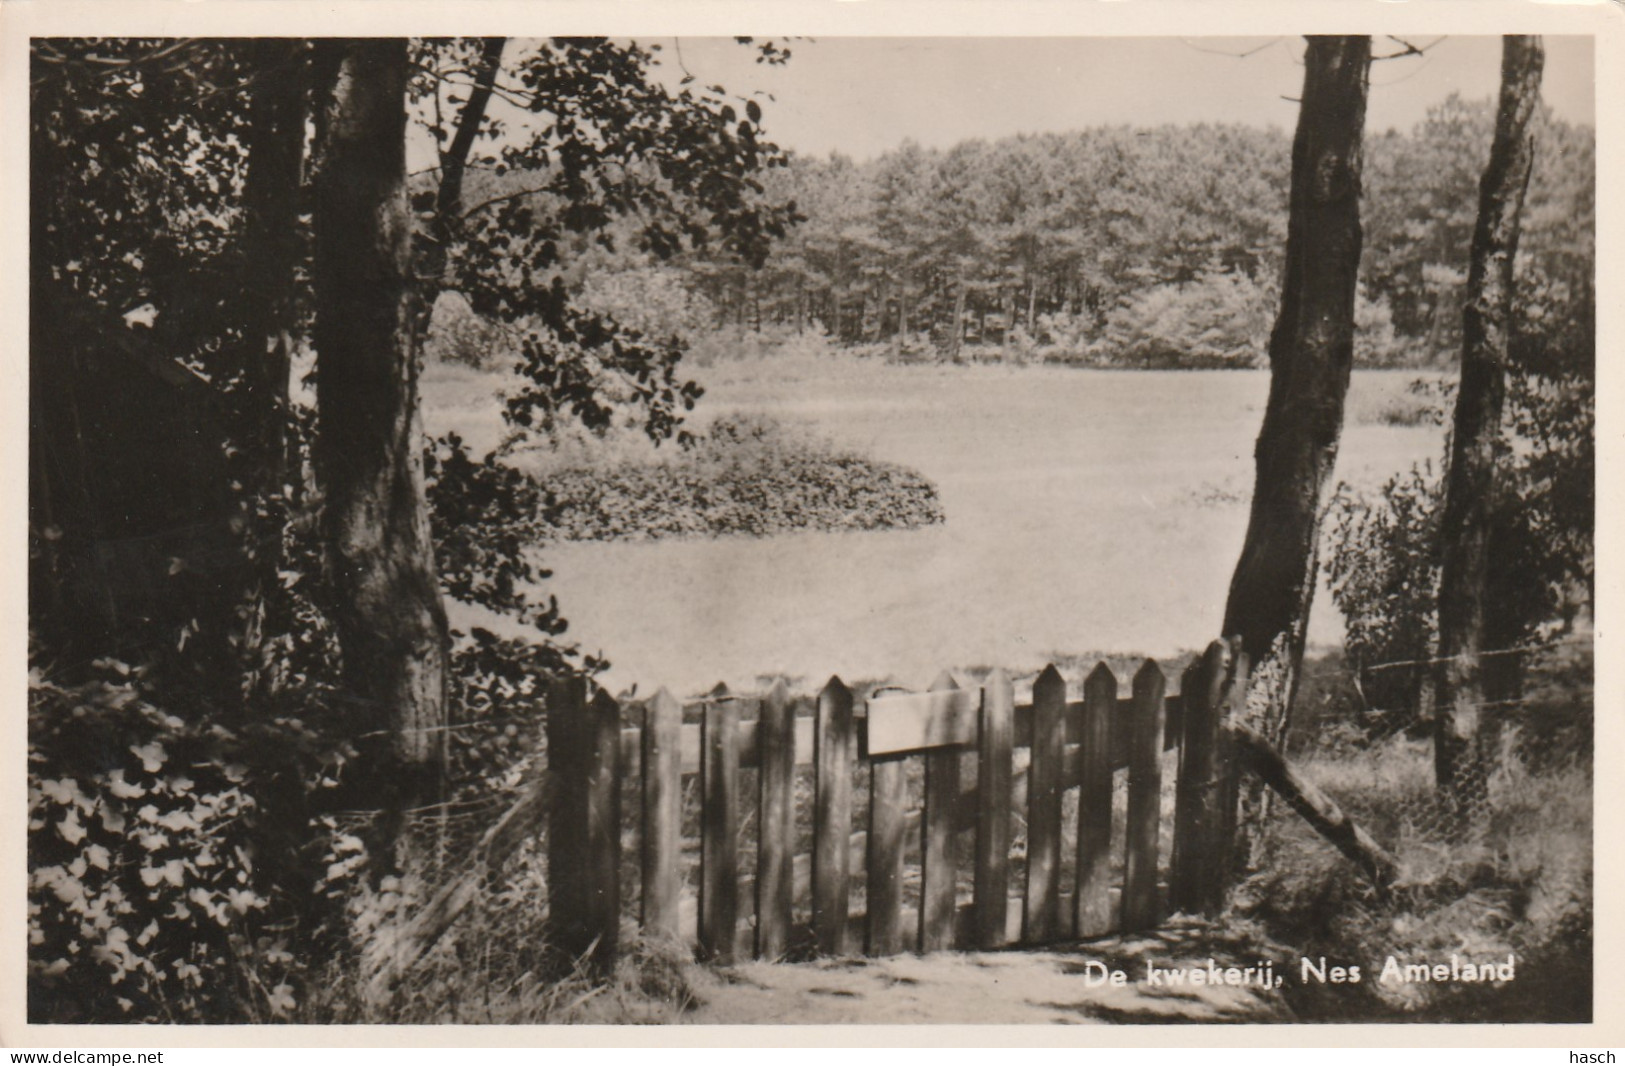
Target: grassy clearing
{"points": [[1417, 404]]}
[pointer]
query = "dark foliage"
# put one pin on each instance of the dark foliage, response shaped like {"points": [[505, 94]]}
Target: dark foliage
{"points": [[185, 846], [741, 478]]}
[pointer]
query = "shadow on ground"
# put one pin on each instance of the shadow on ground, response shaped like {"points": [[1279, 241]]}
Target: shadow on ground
{"points": [[1050, 986]]}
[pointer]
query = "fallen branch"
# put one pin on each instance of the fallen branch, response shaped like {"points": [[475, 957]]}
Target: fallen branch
{"points": [[1317, 808]]}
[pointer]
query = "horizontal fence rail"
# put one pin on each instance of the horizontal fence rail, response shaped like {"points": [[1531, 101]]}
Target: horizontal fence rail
{"points": [[779, 824]]}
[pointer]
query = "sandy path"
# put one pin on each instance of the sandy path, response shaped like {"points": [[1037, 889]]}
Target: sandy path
{"points": [[981, 988]]}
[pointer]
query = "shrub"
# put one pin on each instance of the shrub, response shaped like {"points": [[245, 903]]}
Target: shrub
{"points": [[1376, 344], [1383, 569], [486, 518], [772, 341], [1384, 549], [746, 476], [1218, 320], [168, 873], [650, 299], [1066, 335], [458, 334]]}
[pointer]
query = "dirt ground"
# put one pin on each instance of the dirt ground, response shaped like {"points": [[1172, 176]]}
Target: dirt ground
{"points": [[1008, 987]]}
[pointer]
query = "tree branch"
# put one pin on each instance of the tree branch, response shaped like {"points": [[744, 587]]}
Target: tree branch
{"points": [[493, 201], [1408, 49], [1234, 55]]}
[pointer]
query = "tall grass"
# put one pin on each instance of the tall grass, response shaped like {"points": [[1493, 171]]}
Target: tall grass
{"points": [[1518, 882], [497, 966]]}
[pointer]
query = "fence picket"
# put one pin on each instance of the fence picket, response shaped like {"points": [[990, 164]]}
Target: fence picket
{"points": [[567, 824], [775, 853], [1082, 743], [939, 833], [719, 830], [833, 753], [1190, 681], [993, 771], [1198, 886], [1139, 907], [603, 866], [885, 859], [662, 813], [1041, 920], [1092, 901]]}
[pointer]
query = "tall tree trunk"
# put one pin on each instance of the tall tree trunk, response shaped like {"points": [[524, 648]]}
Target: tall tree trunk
{"points": [[389, 617], [271, 238], [1311, 353], [276, 145], [1467, 625]]}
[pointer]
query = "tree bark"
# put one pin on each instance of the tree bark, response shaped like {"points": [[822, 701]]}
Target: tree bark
{"points": [[390, 621], [1464, 735], [271, 251], [958, 324], [271, 237], [1311, 351]]}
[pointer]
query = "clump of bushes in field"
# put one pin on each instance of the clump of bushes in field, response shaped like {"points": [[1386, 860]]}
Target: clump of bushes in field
{"points": [[771, 340], [744, 476]]}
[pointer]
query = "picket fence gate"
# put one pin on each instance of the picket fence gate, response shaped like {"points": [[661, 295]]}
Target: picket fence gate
{"points": [[594, 745]]}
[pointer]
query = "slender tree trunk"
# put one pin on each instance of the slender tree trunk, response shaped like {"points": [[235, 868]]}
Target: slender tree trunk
{"points": [[446, 226], [271, 239], [389, 617], [902, 318], [1311, 353], [1466, 683], [276, 142], [958, 324]]}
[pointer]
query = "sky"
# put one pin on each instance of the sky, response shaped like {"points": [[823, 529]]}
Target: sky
{"points": [[864, 95]]}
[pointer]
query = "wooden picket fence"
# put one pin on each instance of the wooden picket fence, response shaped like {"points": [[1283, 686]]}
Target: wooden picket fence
{"points": [[598, 748]]}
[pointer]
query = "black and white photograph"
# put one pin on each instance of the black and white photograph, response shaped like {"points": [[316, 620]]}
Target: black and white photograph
{"points": [[939, 527]]}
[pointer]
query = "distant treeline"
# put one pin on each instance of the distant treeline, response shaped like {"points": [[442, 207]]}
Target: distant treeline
{"points": [[1125, 246], [1114, 246]]}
